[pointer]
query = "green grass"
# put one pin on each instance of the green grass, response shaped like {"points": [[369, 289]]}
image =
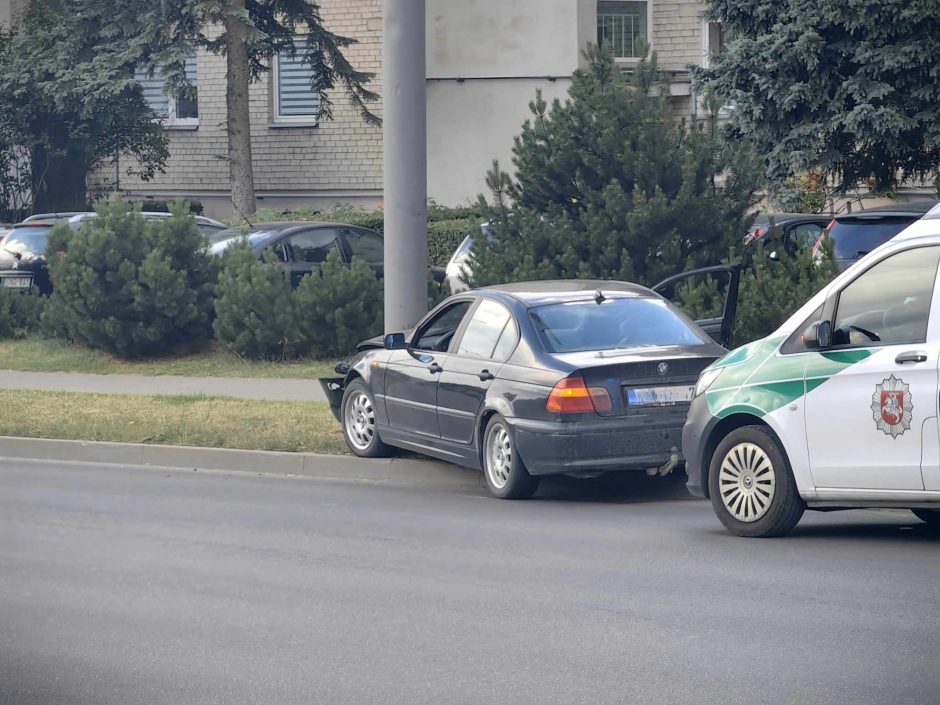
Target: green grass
{"points": [[211, 422], [42, 355]]}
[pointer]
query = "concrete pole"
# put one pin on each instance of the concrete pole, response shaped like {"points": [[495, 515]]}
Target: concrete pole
{"points": [[404, 136]]}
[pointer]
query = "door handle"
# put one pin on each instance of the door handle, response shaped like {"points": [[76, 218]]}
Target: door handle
{"points": [[486, 375], [911, 356], [435, 368]]}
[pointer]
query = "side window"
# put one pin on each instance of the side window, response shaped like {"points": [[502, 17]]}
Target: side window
{"points": [[437, 333], [365, 245], [888, 304], [312, 246], [484, 330], [507, 342], [804, 235]]}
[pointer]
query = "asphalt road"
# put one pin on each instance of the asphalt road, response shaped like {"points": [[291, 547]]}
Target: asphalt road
{"points": [[149, 586]]}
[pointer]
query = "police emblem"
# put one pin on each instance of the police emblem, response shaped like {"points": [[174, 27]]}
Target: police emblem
{"points": [[891, 406]]}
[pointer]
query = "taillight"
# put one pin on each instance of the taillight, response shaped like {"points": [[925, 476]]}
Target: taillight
{"points": [[572, 396]]}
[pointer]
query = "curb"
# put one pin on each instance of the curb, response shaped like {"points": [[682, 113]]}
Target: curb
{"points": [[409, 471]]}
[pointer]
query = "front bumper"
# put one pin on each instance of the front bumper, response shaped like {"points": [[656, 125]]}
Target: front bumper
{"points": [[695, 434], [598, 445]]}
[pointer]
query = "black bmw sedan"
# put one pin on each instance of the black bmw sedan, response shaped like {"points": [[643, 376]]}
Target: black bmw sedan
{"points": [[531, 379]]}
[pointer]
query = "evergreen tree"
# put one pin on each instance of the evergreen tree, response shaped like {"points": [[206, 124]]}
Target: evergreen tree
{"points": [[338, 307], [59, 107], [848, 87], [608, 185], [131, 286], [254, 307]]}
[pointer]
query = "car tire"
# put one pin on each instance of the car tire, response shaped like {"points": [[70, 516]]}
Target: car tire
{"points": [[505, 473], [751, 485], [931, 517], [359, 424]]}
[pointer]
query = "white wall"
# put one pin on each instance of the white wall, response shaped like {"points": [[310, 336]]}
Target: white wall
{"points": [[485, 60]]}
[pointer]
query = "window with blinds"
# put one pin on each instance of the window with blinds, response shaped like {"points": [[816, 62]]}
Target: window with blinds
{"points": [[295, 96], [181, 109]]}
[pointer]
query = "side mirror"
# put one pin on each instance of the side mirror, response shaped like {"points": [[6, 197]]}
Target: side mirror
{"points": [[395, 341], [819, 336]]}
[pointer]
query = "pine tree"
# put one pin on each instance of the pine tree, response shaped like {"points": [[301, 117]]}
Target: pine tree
{"points": [[846, 87], [255, 311], [608, 185]]}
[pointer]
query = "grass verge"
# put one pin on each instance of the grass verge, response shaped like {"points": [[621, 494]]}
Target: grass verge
{"points": [[212, 422], [43, 355]]}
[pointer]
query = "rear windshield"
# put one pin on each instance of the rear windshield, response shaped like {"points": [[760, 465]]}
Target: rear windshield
{"points": [[613, 324], [857, 237], [28, 241]]}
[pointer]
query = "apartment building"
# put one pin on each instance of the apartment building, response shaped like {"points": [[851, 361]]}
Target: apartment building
{"points": [[485, 61]]}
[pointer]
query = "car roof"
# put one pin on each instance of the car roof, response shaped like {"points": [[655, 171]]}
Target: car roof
{"points": [[284, 224], [52, 216], [537, 293], [783, 218], [77, 217], [913, 209]]}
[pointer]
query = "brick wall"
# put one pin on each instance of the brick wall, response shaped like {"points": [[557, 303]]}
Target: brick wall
{"points": [[677, 33], [342, 155]]}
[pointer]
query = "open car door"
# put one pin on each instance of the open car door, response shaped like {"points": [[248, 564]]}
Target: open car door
{"points": [[717, 312]]}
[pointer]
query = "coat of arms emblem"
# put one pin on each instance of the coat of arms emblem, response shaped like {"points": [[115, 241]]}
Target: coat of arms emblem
{"points": [[891, 406]]}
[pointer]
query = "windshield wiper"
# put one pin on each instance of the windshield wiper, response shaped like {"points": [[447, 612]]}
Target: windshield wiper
{"points": [[18, 255]]}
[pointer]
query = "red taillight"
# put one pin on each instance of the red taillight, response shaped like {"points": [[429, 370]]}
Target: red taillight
{"points": [[572, 396]]}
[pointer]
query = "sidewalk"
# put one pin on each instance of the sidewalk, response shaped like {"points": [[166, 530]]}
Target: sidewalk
{"points": [[238, 387]]}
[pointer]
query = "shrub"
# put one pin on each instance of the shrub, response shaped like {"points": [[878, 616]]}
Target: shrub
{"points": [[130, 286], [338, 307], [20, 313], [254, 306]]}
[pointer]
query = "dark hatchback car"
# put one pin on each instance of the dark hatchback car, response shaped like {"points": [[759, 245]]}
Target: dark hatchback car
{"points": [[22, 256], [531, 379], [797, 230], [854, 235], [303, 247]]}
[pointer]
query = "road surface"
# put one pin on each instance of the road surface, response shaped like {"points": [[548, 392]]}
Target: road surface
{"points": [[158, 586]]}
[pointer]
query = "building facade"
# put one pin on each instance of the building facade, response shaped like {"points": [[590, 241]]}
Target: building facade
{"points": [[485, 61]]}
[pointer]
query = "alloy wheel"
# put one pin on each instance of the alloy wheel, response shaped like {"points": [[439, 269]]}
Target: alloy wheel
{"points": [[747, 482], [499, 457], [360, 420]]}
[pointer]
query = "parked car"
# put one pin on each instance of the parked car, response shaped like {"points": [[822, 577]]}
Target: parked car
{"points": [[854, 235], [303, 247], [797, 230], [207, 226], [532, 379], [458, 269], [52, 217], [22, 256], [835, 409]]}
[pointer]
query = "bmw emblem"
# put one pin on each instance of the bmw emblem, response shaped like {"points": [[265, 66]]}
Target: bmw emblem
{"points": [[663, 369]]}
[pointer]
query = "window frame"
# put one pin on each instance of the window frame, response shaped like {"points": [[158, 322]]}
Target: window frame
{"points": [[289, 246], [276, 117], [171, 121], [633, 60], [433, 316]]}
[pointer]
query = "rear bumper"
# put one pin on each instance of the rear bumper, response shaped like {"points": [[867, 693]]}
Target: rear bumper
{"points": [[598, 445]]}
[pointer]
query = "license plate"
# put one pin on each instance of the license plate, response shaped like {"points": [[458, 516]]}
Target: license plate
{"points": [[16, 282], [660, 396]]}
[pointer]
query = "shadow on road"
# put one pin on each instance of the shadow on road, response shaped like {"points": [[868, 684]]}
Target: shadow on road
{"points": [[618, 488]]}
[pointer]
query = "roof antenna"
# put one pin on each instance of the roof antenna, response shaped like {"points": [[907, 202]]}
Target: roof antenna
{"points": [[599, 297]]}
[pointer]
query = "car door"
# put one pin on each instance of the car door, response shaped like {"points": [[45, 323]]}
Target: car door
{"points": [[718, 320], [489, 338], [307, 250], [367, 246], [871, 396], [411, 375]]}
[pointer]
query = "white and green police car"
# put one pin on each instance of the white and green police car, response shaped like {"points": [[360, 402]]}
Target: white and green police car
{"points": [[836, 409]]}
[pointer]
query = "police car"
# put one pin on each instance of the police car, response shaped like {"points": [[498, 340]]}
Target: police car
{"points": [[836, 409]]}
